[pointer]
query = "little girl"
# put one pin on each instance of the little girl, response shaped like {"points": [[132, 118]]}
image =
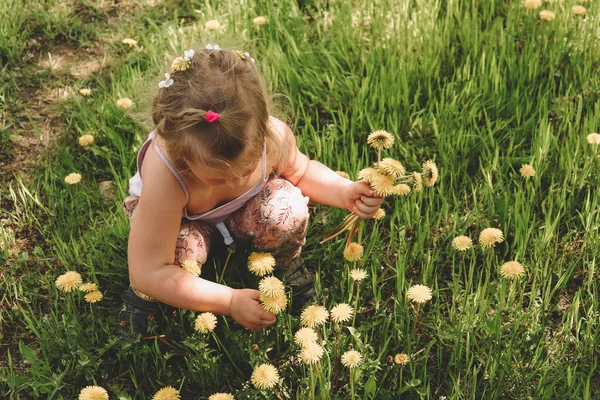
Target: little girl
{"points": [[218, 162]]}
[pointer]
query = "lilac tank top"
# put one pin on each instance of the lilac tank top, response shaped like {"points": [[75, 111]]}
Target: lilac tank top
{"points": [[217, 215]]}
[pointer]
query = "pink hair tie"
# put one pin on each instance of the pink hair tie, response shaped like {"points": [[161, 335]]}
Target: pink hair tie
{"points": [[211, 116]]}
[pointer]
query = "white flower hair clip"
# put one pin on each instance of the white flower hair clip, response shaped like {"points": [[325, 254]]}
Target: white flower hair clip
{"points": [[167, 82], [188, 54], [213, 47]]}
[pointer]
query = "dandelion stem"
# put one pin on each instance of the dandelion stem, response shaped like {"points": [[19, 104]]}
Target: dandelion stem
{"points": [[356, 303], [226, 352], [230, 251], [352, 382], [414, 329]]}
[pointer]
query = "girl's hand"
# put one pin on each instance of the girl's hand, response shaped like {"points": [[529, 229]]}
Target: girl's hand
{"points": [[360, 199], [246, 309]]}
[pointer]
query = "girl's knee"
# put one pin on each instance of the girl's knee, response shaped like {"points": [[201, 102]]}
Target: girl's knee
{"points": [[193, 245]]}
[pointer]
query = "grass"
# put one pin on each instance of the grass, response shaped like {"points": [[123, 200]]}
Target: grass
{"points": [[479, 87]]}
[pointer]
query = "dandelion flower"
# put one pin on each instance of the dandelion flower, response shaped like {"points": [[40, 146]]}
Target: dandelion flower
{"points": [[212, 25], [380, 140], [358, 274], [512, 269], [85, 140], [221, 396], [191, 267], [167, 393], [352, 358], [353, 252], [379, 214], [93, 297], [273, 304], [527, 171], [417, 180], [430, 173], [401, 359], [390, 166], [532, 4], [304, 336], [593, 138], [419, 293], [265, 376], [462, 243], [383, 185], [547, 15], [314, 315], [93, 393], [261, 264], [88, 287], [271, 286], [343, 174], [125, 103], [205, 322], [401, 189], [341, 313], [311, 353], [85, 92], [490, 236], [579, 10], [260, 20], [129, 42], [368, 174], [68, 281], [73, 178]]}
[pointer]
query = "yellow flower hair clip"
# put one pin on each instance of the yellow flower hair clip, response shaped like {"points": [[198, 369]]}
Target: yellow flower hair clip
{"points": [[243, 55], [183, 63]]}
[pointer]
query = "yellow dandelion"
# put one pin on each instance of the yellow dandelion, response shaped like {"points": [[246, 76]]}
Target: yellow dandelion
{"points": [[512, 269], [73, 178], [271, 286], [527, 171], [343, 174], [85, 140], [419, 293], [124, 103], [85, 92], [93, 393], [273, 304], [93, 297], [579, 10], [341, 313], [430, 173], [401, 189], [462, 243], [379, 214], [358, 274], [314, 315], [311, 353], [88, 287], [368, 174], [401, 359], [353, 252], [490, 236], [260, 20], [532, 4], [221, 396], [129, 42], [191, 267], [380, 140], [417, 181], [265, 376], [167, 393], [304, 336], [180, 64], [68, 281], [205, 322], [382, 185], [212, 25], [547, 15], [390, 166], [593, 138], [352, 359], [261, 264]]}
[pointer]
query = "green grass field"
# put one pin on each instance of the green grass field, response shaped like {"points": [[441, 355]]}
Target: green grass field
{"points": [[479, 86]]}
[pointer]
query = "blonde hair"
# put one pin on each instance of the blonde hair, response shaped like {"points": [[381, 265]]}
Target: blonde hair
{"points": [[223, 82]]}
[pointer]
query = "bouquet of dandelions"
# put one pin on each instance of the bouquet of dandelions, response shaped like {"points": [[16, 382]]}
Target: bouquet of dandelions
{"points": [[387, 177]]}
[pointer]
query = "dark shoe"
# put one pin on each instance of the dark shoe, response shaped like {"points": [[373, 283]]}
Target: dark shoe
{"points": [[138, 315], [302, 282]]}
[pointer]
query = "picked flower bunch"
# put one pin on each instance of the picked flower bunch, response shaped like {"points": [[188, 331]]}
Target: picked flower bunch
{"points": [[387, 177], [272, 290]]}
